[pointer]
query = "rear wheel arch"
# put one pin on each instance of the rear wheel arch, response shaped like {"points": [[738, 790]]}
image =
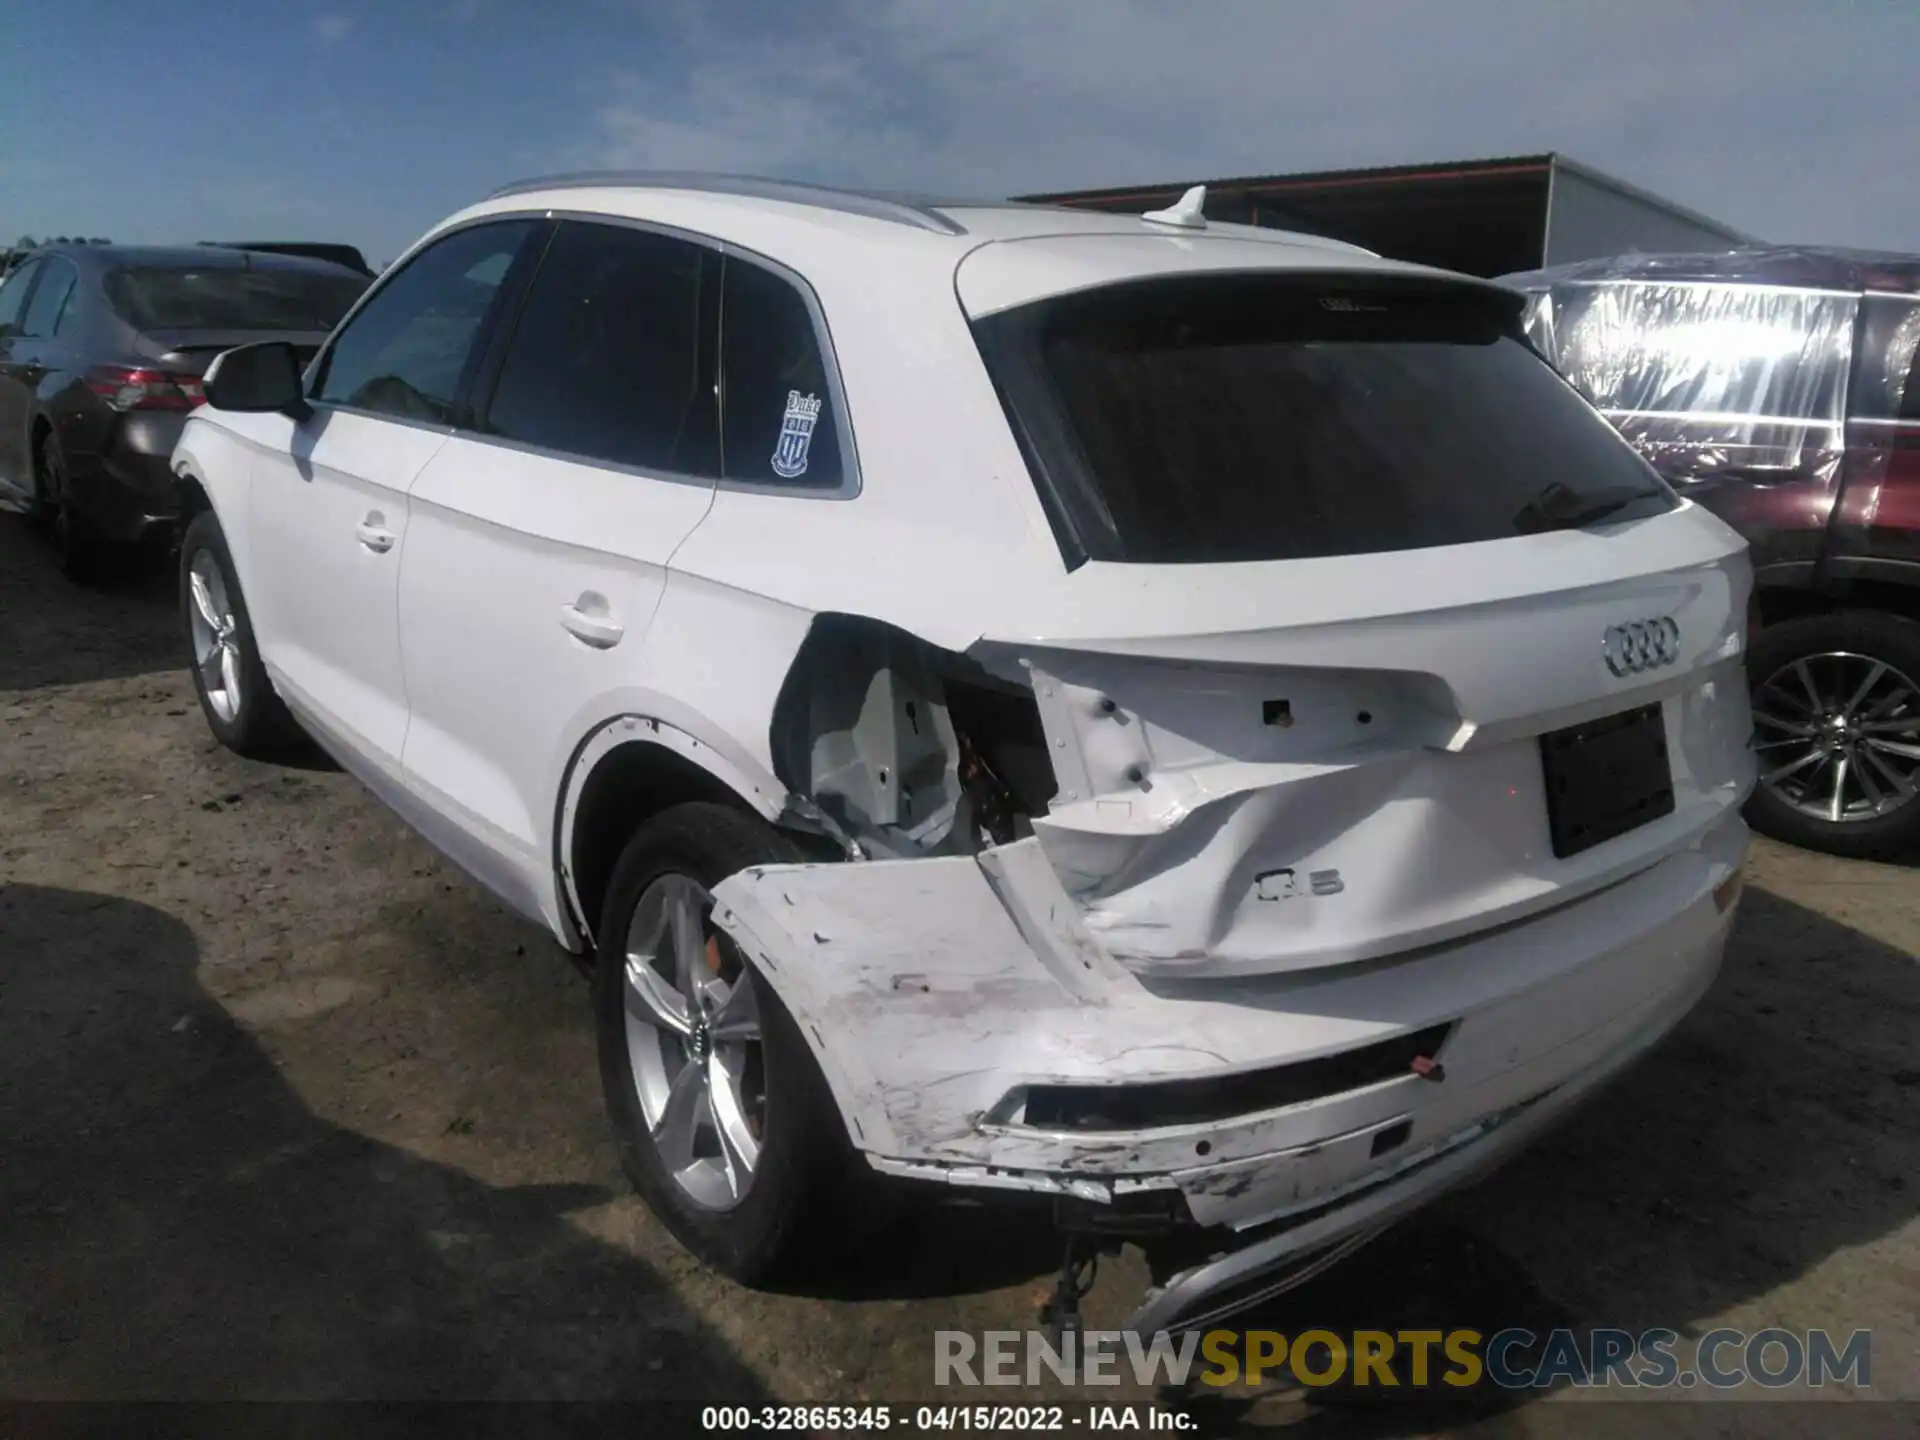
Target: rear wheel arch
{"points": [[1781, 603], [625, 772], [193, 495]]}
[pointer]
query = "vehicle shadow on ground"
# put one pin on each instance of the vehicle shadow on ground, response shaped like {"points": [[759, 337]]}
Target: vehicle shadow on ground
{"points": [[54, 632], [899, 1242], [1775, 1128], [923, 1245], [175, 1223]]}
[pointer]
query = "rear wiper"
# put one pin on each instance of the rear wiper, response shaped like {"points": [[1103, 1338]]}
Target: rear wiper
{"points": [[1558, 508]]}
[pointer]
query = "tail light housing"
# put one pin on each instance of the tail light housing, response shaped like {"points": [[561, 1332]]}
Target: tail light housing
{"points": [[127, 387]]}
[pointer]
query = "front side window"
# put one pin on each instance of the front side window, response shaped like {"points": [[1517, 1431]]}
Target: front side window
{"points": [[779, 425], [49, 302], [612, 357], [406, 350], [13, 296], [1251, 417]]}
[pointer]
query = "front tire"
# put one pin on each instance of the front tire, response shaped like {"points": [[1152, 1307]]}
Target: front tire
{"points": [[1836, 715], [721, 1116], [236, 696]]}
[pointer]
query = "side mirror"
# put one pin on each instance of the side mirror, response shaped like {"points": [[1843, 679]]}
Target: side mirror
{"points": [[263, 377]]}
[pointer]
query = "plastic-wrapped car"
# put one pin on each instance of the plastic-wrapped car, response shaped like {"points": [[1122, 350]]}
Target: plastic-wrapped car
{"points": [[1194, 724], [1780, 389]]}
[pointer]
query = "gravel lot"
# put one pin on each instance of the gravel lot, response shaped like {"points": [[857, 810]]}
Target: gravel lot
{"points": [[287, 1109]]}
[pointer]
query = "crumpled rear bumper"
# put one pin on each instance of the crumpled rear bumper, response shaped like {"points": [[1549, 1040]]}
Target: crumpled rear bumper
{"points": [[939, 993], [1250, 1267]]}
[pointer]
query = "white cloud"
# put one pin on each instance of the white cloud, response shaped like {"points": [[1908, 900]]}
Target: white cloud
{"points": [[332, 27], [1715, 103]]}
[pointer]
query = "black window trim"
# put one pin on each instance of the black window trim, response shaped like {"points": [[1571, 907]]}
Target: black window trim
{"points": [[513, 280]]}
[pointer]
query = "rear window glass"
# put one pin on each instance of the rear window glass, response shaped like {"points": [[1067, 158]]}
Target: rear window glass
{"points": [[1269, 417], [151, 298]]}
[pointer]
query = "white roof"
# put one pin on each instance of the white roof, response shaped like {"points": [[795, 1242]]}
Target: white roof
{"points": [[824, 232]]}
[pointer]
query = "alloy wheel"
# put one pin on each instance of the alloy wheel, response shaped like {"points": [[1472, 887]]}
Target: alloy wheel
{"points": [[694, 1043], [1838, 736], [216, 635]]}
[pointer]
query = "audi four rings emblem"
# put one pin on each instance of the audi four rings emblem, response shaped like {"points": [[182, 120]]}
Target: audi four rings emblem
{"points": [[1642, 645]]}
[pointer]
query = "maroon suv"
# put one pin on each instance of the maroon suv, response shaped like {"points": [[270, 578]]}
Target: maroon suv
{"points": [[1779, 388]]}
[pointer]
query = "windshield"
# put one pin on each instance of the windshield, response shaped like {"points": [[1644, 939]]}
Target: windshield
{"points": [[1277, 417], [230, 298]]}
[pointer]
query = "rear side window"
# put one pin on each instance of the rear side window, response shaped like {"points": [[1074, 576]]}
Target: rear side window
{"points": [[49, 303], [405, 351], [779, 423], [153, 298], [1708, 380], [1751, 353], [1887, 383], [1269, 417], [612, 357], [13, 294]]}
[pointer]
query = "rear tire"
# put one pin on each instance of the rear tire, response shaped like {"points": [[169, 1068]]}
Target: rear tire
{"points": [[236, 696], [1804, 672], [761, 1219], [82, 554]]}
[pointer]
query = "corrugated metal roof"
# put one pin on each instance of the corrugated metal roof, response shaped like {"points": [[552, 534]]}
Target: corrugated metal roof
{"points": [[1647, 197], [1492, 167], [1441, 170]]}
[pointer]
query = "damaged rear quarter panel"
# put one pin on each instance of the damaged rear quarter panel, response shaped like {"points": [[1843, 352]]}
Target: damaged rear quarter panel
{"points": [[932, 988]]}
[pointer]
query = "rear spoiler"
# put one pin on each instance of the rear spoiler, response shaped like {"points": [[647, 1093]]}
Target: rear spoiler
{"points": [[344, 255]]}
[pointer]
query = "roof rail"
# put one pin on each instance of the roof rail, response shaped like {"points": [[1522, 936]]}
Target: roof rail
{"points": [[848, 202]]}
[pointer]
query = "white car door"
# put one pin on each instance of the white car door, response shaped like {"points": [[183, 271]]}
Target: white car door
{"points": [[327, 509], [539, 539]]}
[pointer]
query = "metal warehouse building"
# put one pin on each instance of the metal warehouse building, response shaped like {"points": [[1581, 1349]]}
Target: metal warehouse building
{"points": [[1482, 217]]}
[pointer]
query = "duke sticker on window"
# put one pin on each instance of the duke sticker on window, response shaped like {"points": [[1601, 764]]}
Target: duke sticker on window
{"points": [[796, 434]]}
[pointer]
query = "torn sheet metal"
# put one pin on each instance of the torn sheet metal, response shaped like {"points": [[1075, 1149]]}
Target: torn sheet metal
{"points": [[861, 728], [1216, 820]]}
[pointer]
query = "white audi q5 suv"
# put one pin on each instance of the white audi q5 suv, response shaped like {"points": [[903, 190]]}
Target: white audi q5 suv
{"points": [[1196, 722]]}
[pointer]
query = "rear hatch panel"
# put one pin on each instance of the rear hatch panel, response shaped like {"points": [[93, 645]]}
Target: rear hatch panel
{"points": [[1343, 790]]}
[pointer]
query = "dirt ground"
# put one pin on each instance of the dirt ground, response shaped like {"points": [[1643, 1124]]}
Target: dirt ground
{"points": [[288, 1110]]}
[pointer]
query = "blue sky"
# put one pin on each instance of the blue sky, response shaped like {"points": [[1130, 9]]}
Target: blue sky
{"points": [[365, 122]]}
